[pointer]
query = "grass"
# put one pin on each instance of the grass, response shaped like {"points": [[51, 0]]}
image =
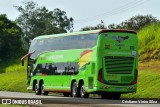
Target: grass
{"points": [[13, 81], [149, 47], [13, 76], [148, 84]]}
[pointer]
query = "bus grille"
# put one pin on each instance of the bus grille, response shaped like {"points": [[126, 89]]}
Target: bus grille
{"points": [[119, 65]]}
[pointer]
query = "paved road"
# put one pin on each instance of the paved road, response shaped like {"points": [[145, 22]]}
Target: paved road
{"points": [[58, 100]]}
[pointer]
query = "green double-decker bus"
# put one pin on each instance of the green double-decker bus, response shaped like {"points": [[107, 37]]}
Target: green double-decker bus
{"points": [[103, 62]]}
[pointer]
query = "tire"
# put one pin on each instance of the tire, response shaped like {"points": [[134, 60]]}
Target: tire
{"points": [[106, 95], [82, 92], [66, 94], [37, 89], [43, 92], [74, 89], [116, 96]]}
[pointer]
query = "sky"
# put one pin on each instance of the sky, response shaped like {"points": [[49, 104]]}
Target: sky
{"points": [[90, 12]]}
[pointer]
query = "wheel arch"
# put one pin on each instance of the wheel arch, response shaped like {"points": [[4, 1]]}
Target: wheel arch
{"points": [[40, 82], [74, 80], [80, 82]]}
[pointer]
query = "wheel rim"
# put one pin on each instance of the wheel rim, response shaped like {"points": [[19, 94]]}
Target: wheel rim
{"points": [[42, 88], [36, 88], [74, 90], [82, 91]]}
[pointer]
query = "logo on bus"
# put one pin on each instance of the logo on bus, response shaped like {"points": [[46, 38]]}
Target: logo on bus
{"points": [[120, 38]]}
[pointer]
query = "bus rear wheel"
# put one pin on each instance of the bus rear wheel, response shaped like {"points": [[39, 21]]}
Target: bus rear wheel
{"points": [[37, 89], [74, 89], [43, 92], [83, 93], [116, 96]]}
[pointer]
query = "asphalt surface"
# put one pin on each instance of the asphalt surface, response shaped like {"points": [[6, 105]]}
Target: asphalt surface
{"points": [[53, 100]]}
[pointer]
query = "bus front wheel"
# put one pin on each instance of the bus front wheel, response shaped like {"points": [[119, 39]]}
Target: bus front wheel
{"points": [[74, 89], [37, 89]]}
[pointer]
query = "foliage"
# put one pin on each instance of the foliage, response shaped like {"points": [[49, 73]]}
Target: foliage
{"points": [[99, 26], [10, 37], [11, 65], [13, 75], [135, 23], [149, 47], [36, 21]]}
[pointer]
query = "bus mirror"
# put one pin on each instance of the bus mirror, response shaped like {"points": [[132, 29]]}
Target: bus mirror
{"points": [[27, 55], [22, 61]]}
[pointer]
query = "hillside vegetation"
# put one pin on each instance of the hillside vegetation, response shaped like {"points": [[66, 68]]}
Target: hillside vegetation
{"points": [[149, 43], [148, 80], [13, 75]]}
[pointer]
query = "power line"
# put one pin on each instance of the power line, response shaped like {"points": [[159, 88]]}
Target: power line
{"points": [[118, 10], [104, 13]]}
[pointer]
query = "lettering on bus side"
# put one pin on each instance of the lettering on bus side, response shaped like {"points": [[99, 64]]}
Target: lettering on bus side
{"points": [[57, 68]]}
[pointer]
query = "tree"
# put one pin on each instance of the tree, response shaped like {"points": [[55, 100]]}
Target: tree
{"points": [[99, 26], [10, 37], [36, 21], [135, 23]]}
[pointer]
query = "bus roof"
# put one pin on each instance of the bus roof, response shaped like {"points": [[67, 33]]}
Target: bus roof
{"points": [[119, 30], [84, 32]]}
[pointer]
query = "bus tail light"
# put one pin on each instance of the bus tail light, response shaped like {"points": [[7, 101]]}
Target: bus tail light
{"points": [[100, 77], [136, 77]]}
